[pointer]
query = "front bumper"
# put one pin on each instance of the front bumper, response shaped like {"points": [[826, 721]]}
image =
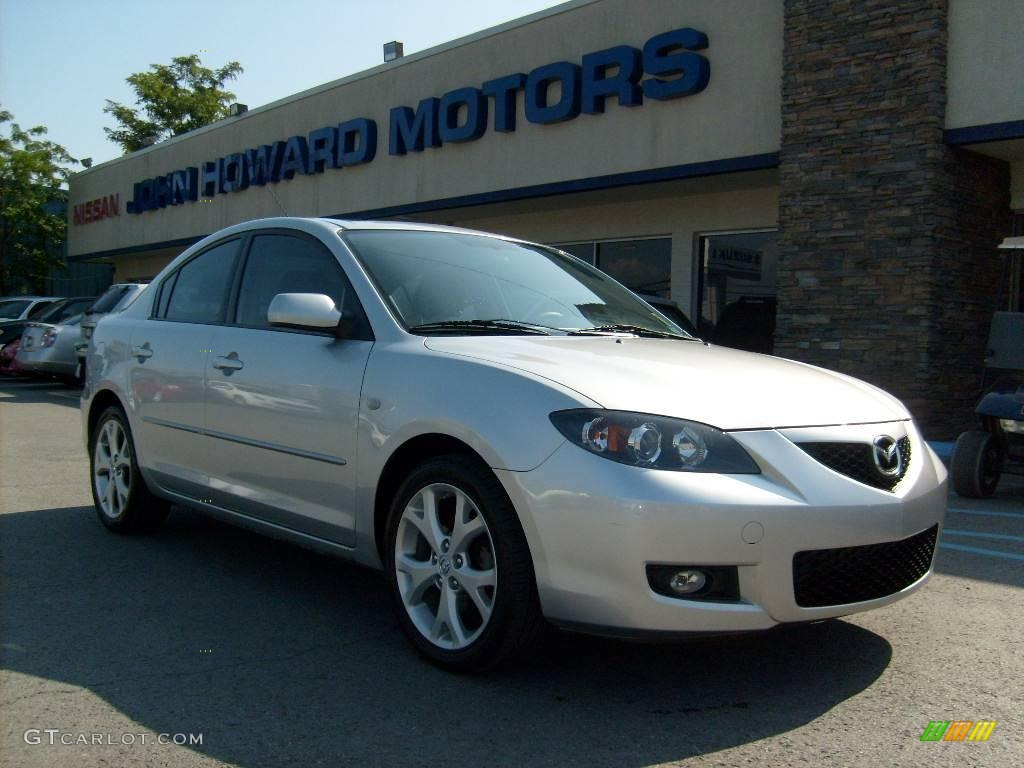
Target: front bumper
{"points": [[594, 525]]}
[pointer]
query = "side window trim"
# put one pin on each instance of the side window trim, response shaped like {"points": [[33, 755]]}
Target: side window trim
{"points": [[231, 311]]}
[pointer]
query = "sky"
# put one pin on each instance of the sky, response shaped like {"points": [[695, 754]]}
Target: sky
{"points": [[61, 59]]}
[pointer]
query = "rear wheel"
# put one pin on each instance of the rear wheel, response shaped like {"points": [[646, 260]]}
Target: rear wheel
{"points": [[123, 502], [976, 464], [459, 568]]}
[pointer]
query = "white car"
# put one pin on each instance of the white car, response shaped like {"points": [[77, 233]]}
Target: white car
{"points": [[510, 434]]}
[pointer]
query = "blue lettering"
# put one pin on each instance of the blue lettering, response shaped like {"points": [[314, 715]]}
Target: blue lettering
{"points": [[537, 84], [598, 86], [504, 91], [144, 196], [209, 178], [321, 150], [411, 132], [662, 56], [161, 192], [296, 157], [357, 141], [233, 176], [184, 185], [476, 115], [263, 164]]}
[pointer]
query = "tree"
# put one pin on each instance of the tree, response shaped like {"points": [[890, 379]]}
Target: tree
{"points": [[33, 204], [171, 100]]}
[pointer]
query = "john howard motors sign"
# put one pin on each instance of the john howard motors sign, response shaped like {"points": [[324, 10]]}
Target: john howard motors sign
{"points": [[670, 62]]}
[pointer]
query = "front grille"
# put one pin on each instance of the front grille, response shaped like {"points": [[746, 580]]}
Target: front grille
{"points": [[853, 574], [855, 460]]}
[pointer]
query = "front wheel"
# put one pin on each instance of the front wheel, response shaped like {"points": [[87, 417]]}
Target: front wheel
{"points": [[123, 502], [976, 464], [459, 568]]}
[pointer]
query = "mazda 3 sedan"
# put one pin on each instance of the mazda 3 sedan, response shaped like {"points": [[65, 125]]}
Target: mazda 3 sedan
{"points": [[511, 435]]}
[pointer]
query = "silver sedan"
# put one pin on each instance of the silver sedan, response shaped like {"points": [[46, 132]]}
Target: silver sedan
{"points": [[49, 349], [511, 435]]}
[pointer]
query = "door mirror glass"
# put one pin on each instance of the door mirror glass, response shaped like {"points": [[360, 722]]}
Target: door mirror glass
{"points": [[305, 311]]}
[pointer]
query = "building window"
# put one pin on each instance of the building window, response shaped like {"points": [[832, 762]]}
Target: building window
{"points": [[643, 265], [738, 289]]}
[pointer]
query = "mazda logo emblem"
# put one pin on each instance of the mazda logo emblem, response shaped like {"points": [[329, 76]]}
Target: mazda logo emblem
{"points": [[886, 453]]}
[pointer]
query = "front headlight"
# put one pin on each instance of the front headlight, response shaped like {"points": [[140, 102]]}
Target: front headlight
{"points": [[657, 442]]}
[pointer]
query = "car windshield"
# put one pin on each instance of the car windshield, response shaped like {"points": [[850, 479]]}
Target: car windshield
{"points": [[64, 309], [9, 310], [443, 282]]}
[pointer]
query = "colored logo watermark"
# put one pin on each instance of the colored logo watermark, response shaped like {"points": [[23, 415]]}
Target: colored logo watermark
{"points": [[958, 730]]}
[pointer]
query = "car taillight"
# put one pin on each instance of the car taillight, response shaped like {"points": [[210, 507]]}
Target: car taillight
{"points": [[49, 338]]}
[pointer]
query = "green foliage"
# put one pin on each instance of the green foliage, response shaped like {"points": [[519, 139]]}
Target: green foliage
{"points": [[172, 99], [33, 224]]}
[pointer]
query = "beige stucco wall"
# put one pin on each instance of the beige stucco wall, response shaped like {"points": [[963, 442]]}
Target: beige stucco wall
{"points": [[737, 115], [986, 62]]}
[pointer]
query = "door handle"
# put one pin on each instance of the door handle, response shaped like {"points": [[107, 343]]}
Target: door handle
{"points": [[143, 353], [228, 364]]}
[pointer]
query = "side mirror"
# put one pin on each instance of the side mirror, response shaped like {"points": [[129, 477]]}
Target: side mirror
{"points": [[305, 311]]}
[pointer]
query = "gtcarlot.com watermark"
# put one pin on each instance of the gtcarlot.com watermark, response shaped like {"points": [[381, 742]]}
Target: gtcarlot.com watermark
{"points": [[55, 736]]}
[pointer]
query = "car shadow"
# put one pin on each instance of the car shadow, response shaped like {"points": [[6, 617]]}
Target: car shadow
{"points": [[281, 656], [24, 390]]}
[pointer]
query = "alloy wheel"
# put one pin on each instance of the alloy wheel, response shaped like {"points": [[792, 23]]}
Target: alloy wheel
{"points": [[445, 566], [112, 469]]}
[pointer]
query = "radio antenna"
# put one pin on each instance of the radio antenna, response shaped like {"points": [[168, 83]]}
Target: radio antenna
{"points": [[274, 195]]}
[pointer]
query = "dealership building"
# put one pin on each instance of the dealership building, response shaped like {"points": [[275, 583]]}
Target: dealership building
{"points": [[828, 180]]}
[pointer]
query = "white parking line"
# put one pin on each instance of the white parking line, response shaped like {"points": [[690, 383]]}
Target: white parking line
{"points": [[977, 534], [980, 551], [1015, 515]]}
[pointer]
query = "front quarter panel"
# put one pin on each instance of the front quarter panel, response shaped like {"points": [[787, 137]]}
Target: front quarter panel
{"points": [[409, 391]]}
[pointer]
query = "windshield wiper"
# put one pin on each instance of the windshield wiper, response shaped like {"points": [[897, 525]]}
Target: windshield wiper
{"points": [[506, 326], [638, 330]]}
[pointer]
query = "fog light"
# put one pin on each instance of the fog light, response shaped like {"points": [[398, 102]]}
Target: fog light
{"points": [[687, 582]]}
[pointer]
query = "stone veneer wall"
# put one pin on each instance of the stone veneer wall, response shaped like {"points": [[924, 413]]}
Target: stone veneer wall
{"points": [[888, 262]]}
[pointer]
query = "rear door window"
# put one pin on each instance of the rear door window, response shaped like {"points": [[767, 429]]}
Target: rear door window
{"points": [[199, 294]]}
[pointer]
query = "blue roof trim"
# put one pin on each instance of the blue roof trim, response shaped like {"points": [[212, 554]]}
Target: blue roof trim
{"points": [[673, 172], [181, 242], [980, 134]]}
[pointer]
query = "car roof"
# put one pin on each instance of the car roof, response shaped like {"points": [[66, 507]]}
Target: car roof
{"points": [[321, 223]]}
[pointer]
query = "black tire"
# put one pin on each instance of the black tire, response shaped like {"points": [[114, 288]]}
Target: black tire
{"points": [[976, 464], [141, 511], [516, 624]]}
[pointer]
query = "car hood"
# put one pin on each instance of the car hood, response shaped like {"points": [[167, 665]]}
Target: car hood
{"points": [[726, 388]]}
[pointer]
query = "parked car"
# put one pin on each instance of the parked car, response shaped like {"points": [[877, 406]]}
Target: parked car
{"points": [[59, 310], [8, 359], [509, 433], [114, 299], [982, 455], [48, 349], [747, 323], [671, 310], [24, 307]]}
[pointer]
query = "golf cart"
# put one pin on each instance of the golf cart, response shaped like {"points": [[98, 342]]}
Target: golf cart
{"points": [[981, 456]]}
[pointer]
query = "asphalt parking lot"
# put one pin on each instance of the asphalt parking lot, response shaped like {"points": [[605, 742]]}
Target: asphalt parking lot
{"points": [[277, 656]]}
